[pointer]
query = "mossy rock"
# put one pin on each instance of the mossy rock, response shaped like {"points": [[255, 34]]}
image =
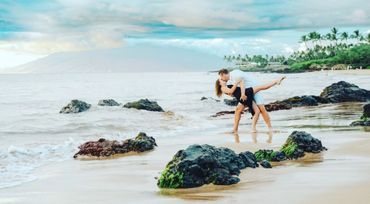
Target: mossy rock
{"points": [[198, 165], [144, 104]]}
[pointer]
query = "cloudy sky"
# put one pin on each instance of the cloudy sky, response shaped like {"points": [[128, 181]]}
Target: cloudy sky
{"points": [[30, 29]]}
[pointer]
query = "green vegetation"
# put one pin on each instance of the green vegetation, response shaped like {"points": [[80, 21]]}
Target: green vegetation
{"points": [[289, 148], [264, 154], [322, 51], [169, 179]]}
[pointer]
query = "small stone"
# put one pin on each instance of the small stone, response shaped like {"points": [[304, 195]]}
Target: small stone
{"points": [[265, 164], [108, 102]]}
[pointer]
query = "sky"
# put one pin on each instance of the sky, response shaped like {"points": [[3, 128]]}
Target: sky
{"points": [[30, 29]]}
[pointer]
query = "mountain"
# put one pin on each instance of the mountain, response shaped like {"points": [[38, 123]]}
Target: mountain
{"points": [[138, 58]]}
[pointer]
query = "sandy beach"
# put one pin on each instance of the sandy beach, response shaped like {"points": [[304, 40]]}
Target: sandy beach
{"points": [[339, 175]]}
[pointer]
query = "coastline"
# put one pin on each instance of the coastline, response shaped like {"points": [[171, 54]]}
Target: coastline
{"points": [[131, 179]]}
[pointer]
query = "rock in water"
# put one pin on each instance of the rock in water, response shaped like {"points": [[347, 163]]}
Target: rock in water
{"points": [[270, 155], [204, 164], [345, 92], [365, 118], [75, 106], [300, 142], [106, 148], [144, 104], [108, 102], [231, 102]]}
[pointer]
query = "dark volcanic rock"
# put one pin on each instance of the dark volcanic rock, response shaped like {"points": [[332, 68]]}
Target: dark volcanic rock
{"points": [[296, 101], [204, 164], [144, 104], [300, 142], [294, 147], [75, 106], [231, 102], [345, 92], [265, 164], [338, 92], [365, 118], [106, 148], [108, 102]]}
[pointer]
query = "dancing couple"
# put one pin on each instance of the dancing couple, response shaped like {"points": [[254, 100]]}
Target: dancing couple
{"points": [[244, 88]]}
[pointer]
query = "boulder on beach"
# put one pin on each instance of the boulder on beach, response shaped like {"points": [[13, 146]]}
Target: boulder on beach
{"points": [[297, 144], [144, 104], [300, 142], [198, 165], [75, 106], [106, 148], [108, 102], [365, 118], [345, 92]]}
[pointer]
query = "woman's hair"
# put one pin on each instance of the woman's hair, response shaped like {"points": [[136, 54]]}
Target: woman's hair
{"points": [[218, 88]]}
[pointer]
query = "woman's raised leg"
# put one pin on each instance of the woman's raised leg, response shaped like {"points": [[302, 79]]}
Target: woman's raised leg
{"points": [[267, 86]]}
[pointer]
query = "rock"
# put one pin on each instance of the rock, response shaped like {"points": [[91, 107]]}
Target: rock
{"points": [[75, 106], [106, 148], [345, 92], [365, 118], [265, 164], [209, 99], [231, 102], [277, 105], [300, 142], [198, 165], [144, 104], [108, 102]]}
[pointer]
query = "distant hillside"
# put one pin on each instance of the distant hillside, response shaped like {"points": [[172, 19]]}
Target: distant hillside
{"points": [[139, 58]]}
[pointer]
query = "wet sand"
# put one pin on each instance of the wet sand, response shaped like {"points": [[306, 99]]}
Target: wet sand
{"points": [[339, 175]]}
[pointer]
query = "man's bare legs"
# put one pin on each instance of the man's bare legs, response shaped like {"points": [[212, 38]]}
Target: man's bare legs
{"points": [[238, 112], [265, 116], [255, 117]]}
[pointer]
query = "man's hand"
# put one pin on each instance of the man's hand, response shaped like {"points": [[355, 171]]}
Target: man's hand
{"points": [[243, 97]]}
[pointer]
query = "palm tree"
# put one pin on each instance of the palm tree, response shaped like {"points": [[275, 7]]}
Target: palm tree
{"points": [[334, 32], [304, 39], [368, 38], [344, 36], [356, 35]]}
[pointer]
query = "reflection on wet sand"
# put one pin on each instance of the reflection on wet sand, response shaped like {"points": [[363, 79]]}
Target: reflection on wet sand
{"points": [[254, 136]]}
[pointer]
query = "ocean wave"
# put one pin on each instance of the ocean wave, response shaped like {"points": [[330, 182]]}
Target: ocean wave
{"points": [[19, 163]]}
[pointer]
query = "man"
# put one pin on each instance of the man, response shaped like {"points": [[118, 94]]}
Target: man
{"points": [[249, 81]]}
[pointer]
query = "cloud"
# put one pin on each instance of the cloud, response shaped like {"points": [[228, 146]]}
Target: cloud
{"points": [[46, 26]]}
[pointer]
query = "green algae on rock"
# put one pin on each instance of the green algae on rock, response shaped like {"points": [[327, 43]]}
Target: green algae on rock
{"points": [[107, 148]]}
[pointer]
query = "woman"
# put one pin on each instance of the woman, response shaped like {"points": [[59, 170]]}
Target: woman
{"points": [[246, 97]]}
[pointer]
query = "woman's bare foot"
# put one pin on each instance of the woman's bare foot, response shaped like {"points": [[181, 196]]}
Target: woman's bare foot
{"points": [[254, 131], [278, 82], [235, 131]]}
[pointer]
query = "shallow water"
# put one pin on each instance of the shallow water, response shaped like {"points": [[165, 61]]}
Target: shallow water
{"points": [[34, 134]]}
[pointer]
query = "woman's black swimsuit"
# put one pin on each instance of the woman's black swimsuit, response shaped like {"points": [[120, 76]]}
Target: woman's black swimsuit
{"points": [[250, 97]]}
